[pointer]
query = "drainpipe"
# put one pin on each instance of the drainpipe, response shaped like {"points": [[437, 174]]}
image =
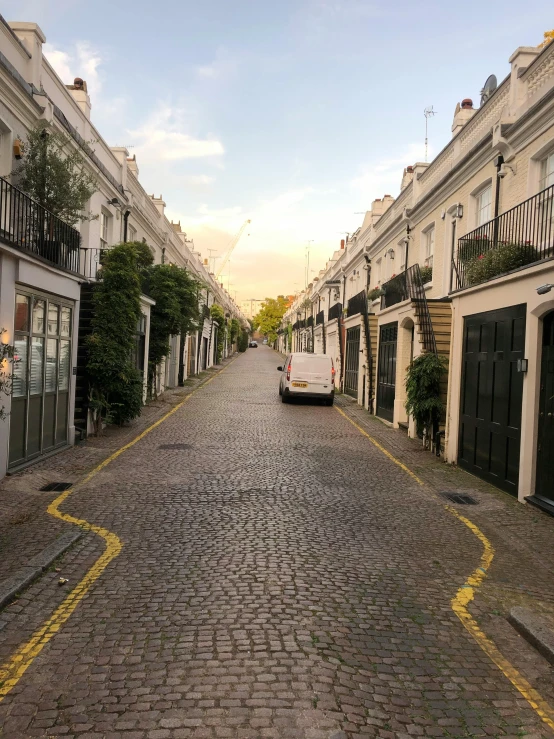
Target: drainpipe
{"points": [[125, 225], [163, 254], [498, 162]]}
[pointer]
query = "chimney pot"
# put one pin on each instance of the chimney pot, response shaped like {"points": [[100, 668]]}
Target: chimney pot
{"points": [[342, 243], [467, 103]]}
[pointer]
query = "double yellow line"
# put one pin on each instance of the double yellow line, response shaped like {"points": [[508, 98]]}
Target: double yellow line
{"points": [[466, 594], [20, 661]]}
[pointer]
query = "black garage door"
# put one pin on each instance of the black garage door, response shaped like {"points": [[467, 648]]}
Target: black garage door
{"points": [[386, 371], [352, 361], [490, 409]]}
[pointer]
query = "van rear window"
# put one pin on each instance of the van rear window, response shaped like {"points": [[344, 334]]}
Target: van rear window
{"points": [[312, 363]]}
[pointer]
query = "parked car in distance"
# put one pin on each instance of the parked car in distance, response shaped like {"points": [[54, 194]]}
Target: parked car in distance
{"points": [[307, 376], [265, 341], [253, 345]]}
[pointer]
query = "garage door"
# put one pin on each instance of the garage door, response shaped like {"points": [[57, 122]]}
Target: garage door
{"points": [[492, 387]]}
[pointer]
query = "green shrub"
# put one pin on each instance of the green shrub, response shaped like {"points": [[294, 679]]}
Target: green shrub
{"points": [[374, 294], [497, 261], [243, 341], [423, 400], [218, 316], [426, 274]]}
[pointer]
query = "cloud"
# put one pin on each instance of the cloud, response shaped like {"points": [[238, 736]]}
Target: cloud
{"points": [[82, 59], [162, 137], [222, 67], [382, 176]]}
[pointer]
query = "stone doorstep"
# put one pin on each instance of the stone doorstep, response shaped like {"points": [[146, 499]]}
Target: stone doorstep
{"points": [[536, 628], [24, 576]]}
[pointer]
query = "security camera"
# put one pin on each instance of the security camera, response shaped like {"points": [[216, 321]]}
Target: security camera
{"points": [[543, 289]]}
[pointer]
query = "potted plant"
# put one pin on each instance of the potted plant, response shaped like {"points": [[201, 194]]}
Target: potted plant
{"points": [[426, 274], [375, 294]]}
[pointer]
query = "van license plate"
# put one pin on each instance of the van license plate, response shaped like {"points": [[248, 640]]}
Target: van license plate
{"points": [[300, 384]]}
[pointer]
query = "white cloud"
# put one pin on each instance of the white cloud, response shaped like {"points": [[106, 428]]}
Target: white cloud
{"points": [[82, 59], [383, 176], [162, 137]]}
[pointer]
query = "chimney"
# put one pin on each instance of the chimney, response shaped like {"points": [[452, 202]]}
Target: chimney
{"points": [[159, 203], [32, 39], [79, 93], [520, 60], [132, 165], [407, 177], [342, 243], [462, 115]]}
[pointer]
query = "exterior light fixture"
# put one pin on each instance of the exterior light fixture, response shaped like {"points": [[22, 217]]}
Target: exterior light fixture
{"points": [[114, 201], [459, 211], [543, 289]]}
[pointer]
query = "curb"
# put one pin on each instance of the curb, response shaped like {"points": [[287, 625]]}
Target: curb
{"points": [[535, 629], [23, 577]]}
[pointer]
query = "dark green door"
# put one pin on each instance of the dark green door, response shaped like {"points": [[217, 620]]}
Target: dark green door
{"points": [[352, 361], [491, 398], [386, 371], [545, 450]]}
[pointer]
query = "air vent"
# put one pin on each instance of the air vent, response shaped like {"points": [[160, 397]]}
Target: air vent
{"points": [[176, 447], [56, 487], [460, 498]]}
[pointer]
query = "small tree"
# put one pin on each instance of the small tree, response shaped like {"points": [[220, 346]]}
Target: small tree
{"points": [[53, 172], [115, 383], [6, 359], [234, 329], [423, 393], [270, 315], [176, 310]]}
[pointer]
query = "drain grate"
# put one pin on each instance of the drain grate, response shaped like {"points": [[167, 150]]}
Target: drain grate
{"points": [[56, 487], [460, 498], [180, 447]]}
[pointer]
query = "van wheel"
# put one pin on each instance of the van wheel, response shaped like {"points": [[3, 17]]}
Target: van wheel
{"points": [[284, 398], [280, 391], [329, 401]]}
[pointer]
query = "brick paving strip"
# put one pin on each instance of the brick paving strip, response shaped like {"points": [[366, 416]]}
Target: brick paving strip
{"points": [[30, 538]]}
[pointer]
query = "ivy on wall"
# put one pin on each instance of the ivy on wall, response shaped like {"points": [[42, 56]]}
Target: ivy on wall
{"points": [[115, 382], [6, 359], [176, 310], [423, 392], [218, 316]]}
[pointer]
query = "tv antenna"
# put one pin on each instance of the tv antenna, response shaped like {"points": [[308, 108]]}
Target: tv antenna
{"points": [[428, 113]]}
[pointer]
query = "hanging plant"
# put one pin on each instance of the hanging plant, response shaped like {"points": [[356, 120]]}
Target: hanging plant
{"points": [[375, 294], [423, 392]]}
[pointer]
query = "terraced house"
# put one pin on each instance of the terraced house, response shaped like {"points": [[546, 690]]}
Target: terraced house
{"points": [[460, 263], [48, 268]]}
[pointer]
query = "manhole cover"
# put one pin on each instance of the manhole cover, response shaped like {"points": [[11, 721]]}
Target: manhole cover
{"points": [[175, 446], [460, 498], [56, 487]]}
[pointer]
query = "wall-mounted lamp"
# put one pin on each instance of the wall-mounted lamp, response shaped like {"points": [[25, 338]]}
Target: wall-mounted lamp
{"points": [[115, 202], [543, 289], [459, 211], [391, 253]]}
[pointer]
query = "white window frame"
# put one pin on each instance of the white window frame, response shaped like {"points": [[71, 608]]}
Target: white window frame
{"points": [[105, 225], [378, 270], [481, 209], [132, 233], [6, 149], [428, 237], [546, 170], [401, 248]]}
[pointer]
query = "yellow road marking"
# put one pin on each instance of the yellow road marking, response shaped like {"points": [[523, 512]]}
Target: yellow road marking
{"points": [[466, 593], [18, 663]]}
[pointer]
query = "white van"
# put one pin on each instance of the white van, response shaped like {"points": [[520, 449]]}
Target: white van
{"points": [[308, 376]]}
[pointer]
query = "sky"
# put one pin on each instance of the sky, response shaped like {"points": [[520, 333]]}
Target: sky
{"points": [[294, 114]]}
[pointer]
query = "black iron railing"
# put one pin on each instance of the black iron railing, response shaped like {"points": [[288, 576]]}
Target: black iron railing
{"points": [[357, 304], [91, 261], [335, 311], [310, 321], [26, 225], [319, 317], [295, 326], [518, 238], [205, 311], [408, 285]]}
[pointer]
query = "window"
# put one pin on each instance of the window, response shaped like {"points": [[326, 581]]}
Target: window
{"points": [[378, 272], [547, 201], [105, 219], [132, 234], [483, 202], [429, 247], [547, 172]]}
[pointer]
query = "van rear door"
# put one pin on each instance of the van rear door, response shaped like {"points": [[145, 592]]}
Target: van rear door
{"points": [[313, 369]]}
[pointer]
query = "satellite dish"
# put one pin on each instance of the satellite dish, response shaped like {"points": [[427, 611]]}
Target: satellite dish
{"points": [[488, 88]]}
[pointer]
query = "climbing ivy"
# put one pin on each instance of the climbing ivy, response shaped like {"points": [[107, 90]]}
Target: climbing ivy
{"points": [[234, 330], [115, 382], [6, 358], [176, 311], [218, 316]]}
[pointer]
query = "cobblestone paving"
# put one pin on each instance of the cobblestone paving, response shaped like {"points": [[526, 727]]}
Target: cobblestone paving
{"points": [[280, 577]]}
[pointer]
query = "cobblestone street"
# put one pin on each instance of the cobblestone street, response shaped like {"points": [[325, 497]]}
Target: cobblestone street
{"points": [[280, 577]]}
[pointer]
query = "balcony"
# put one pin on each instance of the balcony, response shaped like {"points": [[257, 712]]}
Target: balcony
{"points": [[335, 311], [518, 238], [27, 226], [309, 322], [357, 304], [320, 317]]}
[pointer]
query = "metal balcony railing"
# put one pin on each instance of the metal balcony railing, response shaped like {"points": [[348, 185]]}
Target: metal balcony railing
{"points": [[320, 317], [310, 321], [335, 311], [408, 285], [26, 225], [518, 238], [357, 304]]}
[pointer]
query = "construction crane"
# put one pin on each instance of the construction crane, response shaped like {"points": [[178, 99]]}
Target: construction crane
{"points": [[234, 241]]}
